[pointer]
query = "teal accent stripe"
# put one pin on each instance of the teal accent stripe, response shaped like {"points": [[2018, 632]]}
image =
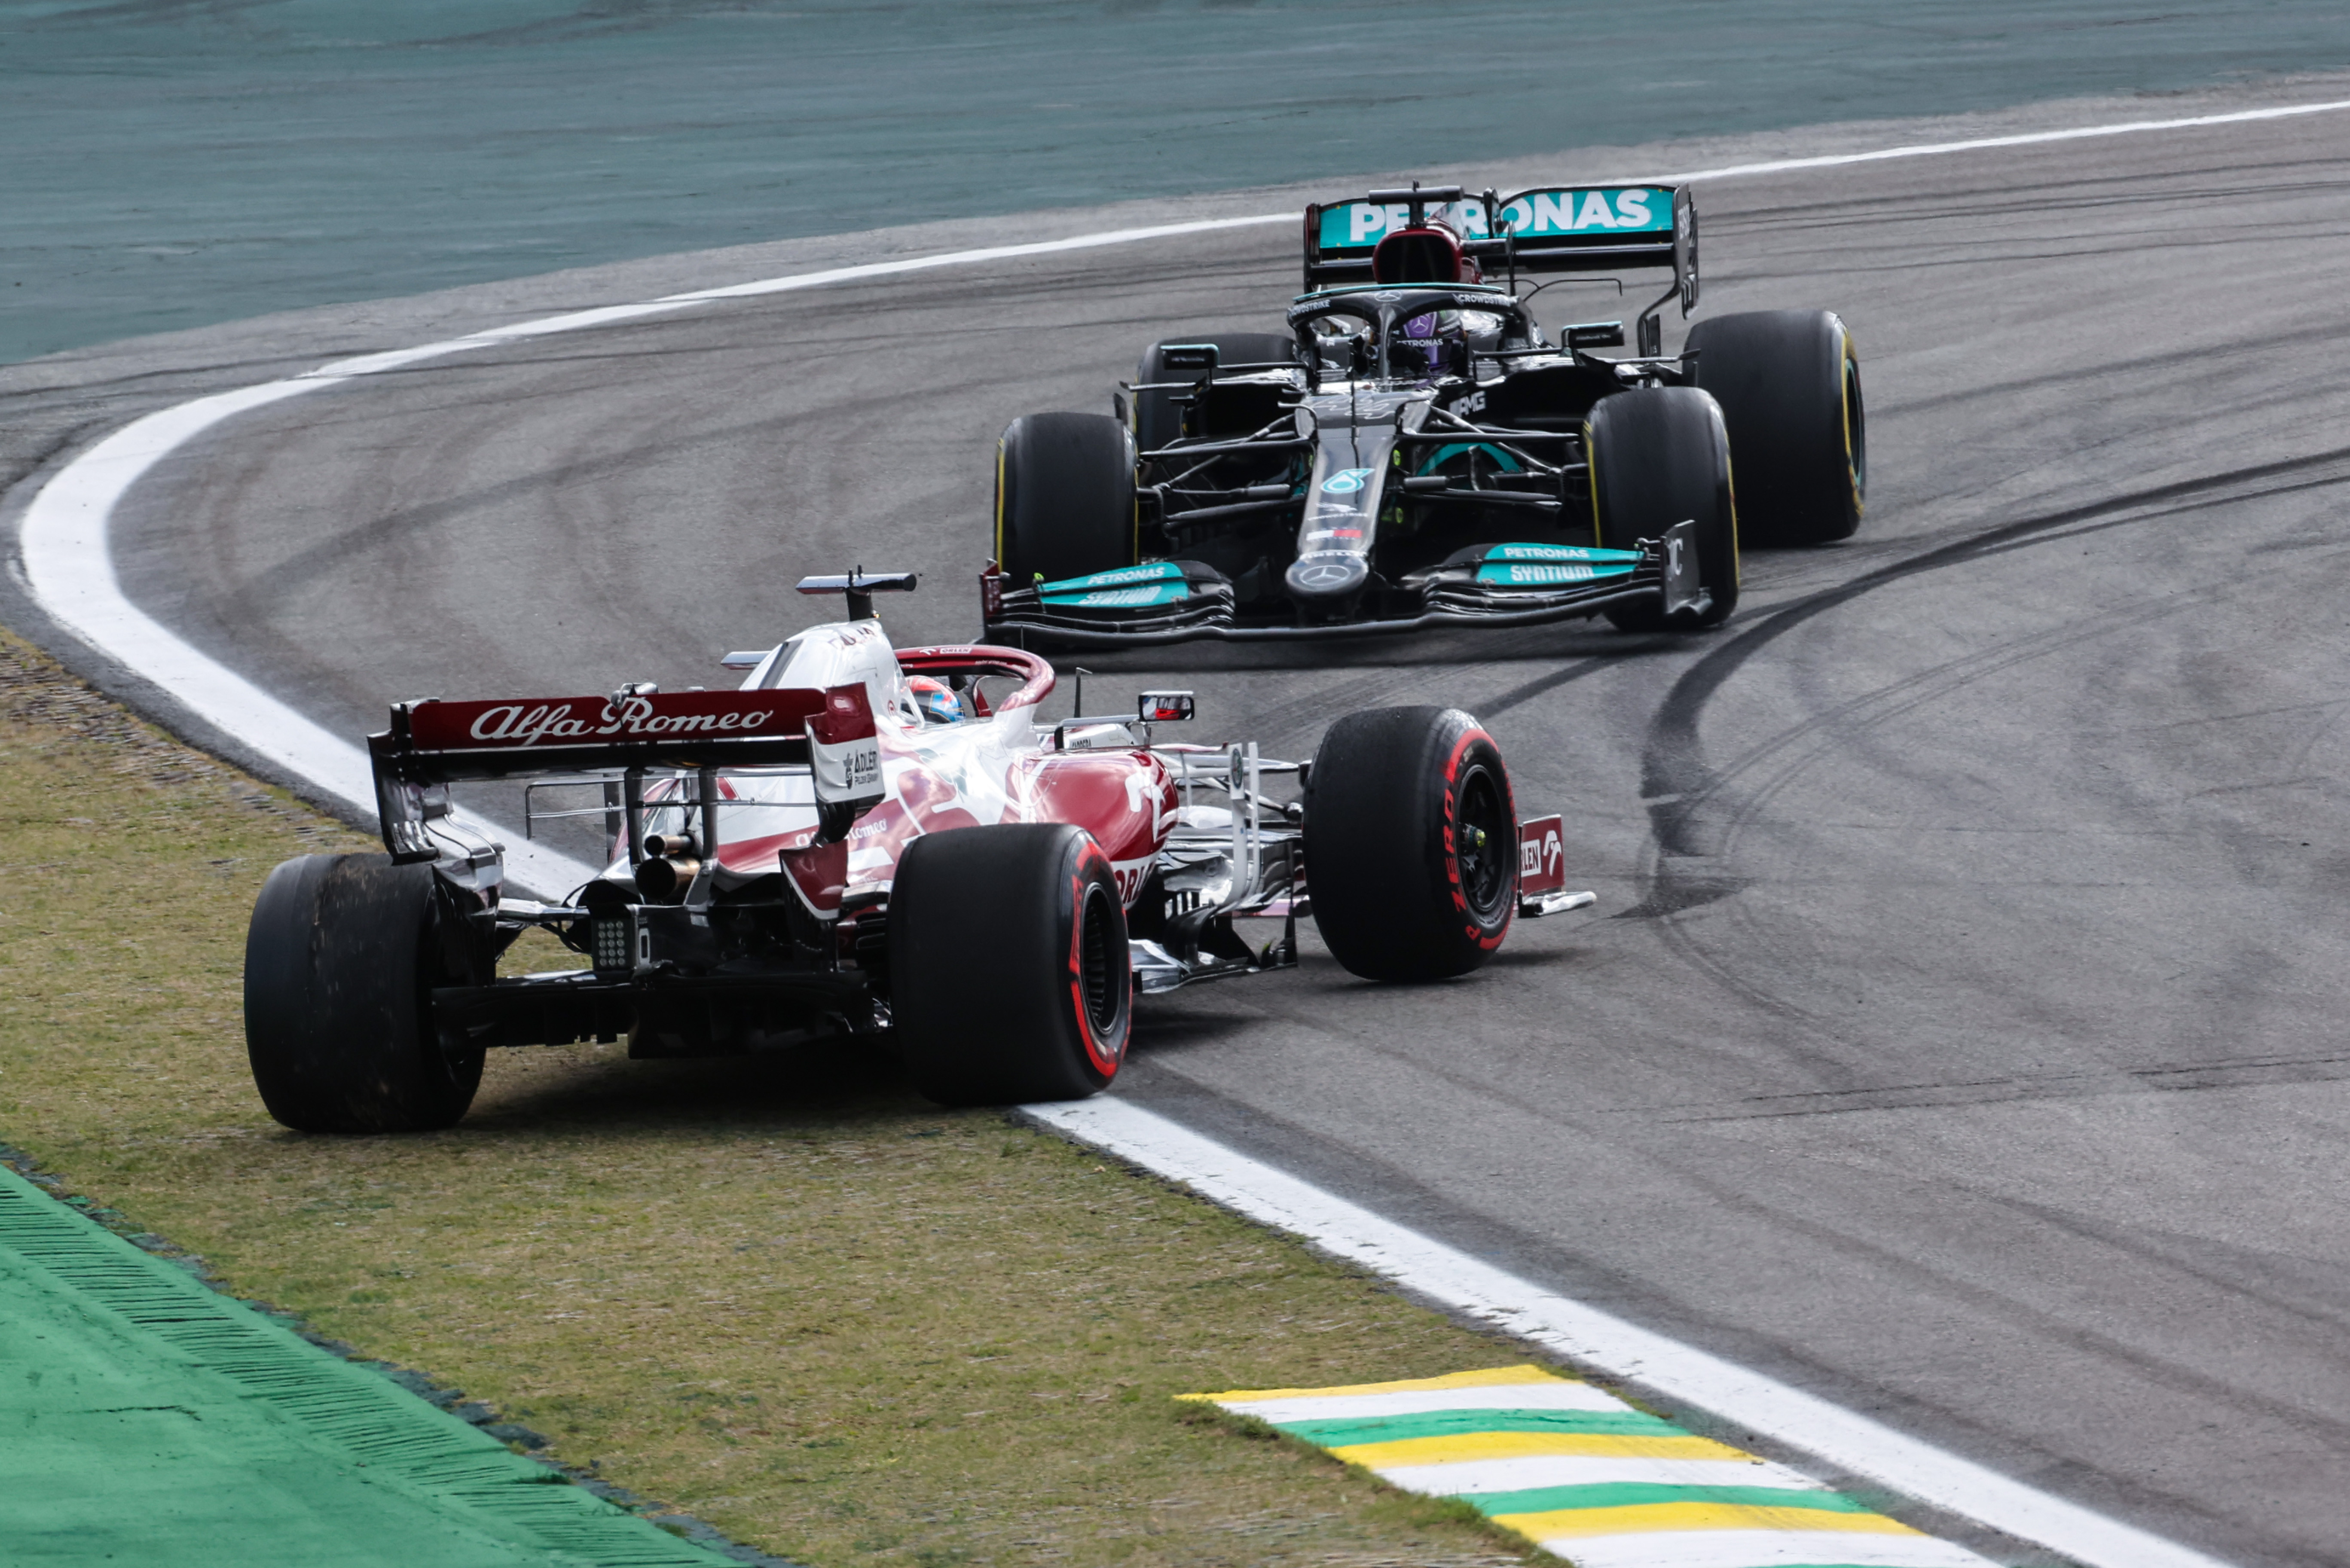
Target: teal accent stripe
{"points": [[1339, 1434], [1548, 573], [1454, 449], [1627, 1494], [1586, 553], [1140, 595], [1116, 578]]}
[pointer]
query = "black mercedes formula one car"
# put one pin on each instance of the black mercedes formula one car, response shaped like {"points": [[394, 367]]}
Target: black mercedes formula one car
{"points": [[1415, 450]]}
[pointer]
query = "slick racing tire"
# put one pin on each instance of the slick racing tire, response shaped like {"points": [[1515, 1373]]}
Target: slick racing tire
{"points": [[1064, 497], [1660, 456], [1157, 416], [339, 961], [1789, 385], [1411, 843], [1010, 979]]}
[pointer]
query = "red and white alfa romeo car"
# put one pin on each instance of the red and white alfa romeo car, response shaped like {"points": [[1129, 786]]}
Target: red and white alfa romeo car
{"points": [[873, 843]]}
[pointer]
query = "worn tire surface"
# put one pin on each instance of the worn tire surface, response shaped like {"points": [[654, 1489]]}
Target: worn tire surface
{"points": [[1010, 978], [1789, 385], [1659, 455], [338, 956]]}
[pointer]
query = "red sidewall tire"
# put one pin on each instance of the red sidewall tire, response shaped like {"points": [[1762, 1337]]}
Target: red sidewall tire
{"points": [[1400, 889], [1009, 971], [1101, 1011], [1483, 922]]}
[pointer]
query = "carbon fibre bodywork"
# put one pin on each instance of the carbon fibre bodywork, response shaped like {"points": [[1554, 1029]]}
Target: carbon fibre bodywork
{"points": [[1421, 460]]}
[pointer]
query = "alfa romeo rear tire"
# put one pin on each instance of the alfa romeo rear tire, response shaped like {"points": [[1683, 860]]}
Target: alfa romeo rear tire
{"points": [[1158, 417], [1009, 974], [1789, 385], [339, 961], [1411, 843], [1660, 456], [1064, 497]]}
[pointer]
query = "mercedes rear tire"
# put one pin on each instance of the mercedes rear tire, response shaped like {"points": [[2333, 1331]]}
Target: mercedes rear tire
{"points": [[1789, 385]]}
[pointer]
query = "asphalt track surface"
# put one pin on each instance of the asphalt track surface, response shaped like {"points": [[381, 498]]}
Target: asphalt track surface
{"points": [[1960, 1038]]}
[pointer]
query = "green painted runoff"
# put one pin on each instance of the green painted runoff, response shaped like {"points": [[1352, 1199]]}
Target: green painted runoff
{"points": [[145, 1418]]}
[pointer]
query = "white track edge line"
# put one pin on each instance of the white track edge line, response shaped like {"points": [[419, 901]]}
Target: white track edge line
{"points": [[1988, 143], [64, 538], [1590, 1337]]}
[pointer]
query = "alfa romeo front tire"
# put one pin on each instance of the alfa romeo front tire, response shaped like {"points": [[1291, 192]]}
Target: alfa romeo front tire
{"points": [[1411, 843]]}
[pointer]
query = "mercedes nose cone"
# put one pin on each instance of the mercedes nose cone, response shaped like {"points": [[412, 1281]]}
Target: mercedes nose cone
{"points": [[1332, 576]]}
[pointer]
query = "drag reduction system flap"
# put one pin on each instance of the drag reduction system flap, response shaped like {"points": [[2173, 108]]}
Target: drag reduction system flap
{"points": [[1593, 228]]}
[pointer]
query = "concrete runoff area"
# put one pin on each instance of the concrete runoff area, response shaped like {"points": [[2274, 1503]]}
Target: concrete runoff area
{"points": [[1965, 1051], [153, 1420]]}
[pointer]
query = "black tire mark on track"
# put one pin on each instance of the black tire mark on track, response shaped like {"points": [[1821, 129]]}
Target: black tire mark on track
{"points": [[1679, 782], [1674, 775]]}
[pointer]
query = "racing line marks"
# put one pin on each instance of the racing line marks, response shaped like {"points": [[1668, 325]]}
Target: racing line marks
{"points": [[69, 573], [1687, 842], [2237, 1073], [1676, 778]]}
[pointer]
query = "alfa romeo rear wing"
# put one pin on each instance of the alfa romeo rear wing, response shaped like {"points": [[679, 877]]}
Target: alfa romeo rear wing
{"points": [[635, 730], [1550, 229]]}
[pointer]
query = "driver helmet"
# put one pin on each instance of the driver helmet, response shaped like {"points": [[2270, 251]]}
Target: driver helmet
{"points": [[1428, 332], [934, 700]]}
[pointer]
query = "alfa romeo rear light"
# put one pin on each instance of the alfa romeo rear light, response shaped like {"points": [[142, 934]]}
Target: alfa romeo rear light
{"points": [[612, 941]]}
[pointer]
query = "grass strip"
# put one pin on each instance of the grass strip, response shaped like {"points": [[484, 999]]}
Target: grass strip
{"points": [[787, 1296]]}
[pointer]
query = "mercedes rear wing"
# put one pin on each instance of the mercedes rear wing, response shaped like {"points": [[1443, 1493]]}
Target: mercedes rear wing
{"points": [[1550, 229], [635, 731]]}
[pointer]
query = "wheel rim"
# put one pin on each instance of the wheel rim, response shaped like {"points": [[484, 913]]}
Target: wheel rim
{"points": [[1097, 966], [1482, 843], [1856, 429]]}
